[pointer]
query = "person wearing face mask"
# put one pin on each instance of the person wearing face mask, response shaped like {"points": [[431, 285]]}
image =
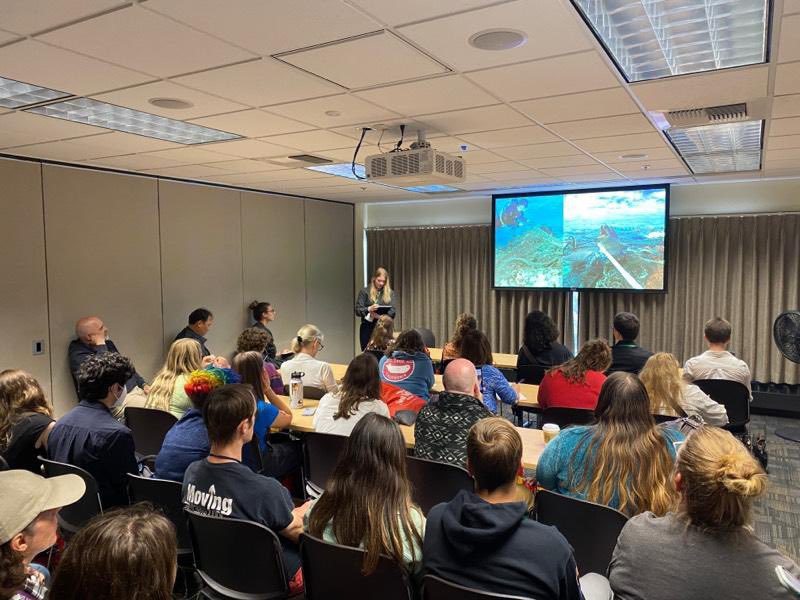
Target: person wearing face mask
{"points": [[89, 436], [371, 303]]}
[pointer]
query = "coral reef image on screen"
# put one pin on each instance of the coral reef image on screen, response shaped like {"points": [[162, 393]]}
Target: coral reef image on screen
{"points": [[604, 239]]}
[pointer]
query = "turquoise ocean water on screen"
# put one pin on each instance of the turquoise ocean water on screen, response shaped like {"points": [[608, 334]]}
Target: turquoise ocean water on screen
{"points": [[611, 239]]}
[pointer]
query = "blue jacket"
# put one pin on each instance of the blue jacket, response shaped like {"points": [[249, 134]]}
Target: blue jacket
{"points": [[411, 372], [185, 443]]}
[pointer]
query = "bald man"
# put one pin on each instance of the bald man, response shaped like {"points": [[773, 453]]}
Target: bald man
{"points": [[442, 426], [92, 338]]}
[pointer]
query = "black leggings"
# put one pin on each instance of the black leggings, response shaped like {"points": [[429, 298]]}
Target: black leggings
{"points": [[365, 333]]}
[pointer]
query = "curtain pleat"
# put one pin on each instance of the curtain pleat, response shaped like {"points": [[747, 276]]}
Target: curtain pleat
{"points": [[441, 272]]}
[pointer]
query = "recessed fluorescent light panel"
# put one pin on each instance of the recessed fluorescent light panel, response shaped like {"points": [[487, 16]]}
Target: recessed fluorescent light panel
{"points": [[651, 39], [720, 148], [14, 94], [341, 169], [102, 114], [431, 189]]}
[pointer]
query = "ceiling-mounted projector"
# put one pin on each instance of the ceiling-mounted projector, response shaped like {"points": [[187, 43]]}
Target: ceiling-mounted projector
{"points": [[419, 165]]}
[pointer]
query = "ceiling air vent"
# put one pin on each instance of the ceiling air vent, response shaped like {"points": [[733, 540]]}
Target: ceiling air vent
{"points": [[697, 117], [310, 159]]}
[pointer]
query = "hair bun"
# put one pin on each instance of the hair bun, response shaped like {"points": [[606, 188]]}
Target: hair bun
{"points": [[740, 478], [253, 305]]}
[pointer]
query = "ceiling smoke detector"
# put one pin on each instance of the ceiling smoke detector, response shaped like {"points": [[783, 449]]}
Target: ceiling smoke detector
{"points": [[498, 39], [171, 103]]}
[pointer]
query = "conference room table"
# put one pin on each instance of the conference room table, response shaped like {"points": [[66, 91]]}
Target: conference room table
{"points": [[532, 439], [500, 360]]}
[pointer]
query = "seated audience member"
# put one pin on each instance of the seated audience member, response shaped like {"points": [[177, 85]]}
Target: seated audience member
{"points": [[167, 391], [475, 348], [382, 338], [28, 507], [717, 362], [464, 323], [624, 461], [126, 553], [576, 383], [370, 479], [360, 395], [707, 548], [626, 356], [263, 315], [200, 321], [187, 440], [408, 366], [89, 437], [671, 395], [26, 420], [92, 338], [221, 485], [254, 339], [485, 540], [539, 346], [316, 373], [442, 425], [278, 457]]}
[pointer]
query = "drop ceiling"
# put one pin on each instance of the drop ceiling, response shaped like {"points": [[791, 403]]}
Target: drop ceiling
{"points": [[304, 76]]}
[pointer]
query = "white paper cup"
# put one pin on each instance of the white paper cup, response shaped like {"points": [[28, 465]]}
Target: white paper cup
{"points": [[550, 431]]}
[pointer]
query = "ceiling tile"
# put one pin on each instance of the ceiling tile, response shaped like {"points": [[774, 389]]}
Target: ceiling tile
{"points": [[495, 167], [243, 178], [478, 157], [128, 143], [33, 62], [521, 177], [622, 142], [137, 99], [399, 13], [786, 141], [136, 162], [587, 105], [516, 136], [786, 106], [593, 180], [368, 60], [530, 151], [252, 123], [94, 146], [591, 128], [790, 126], [789, 42], [29, 16], [440, 94], [551, 29], [791, 6], [6, 36], [346, 154], [167, 49], [560, 161], [186, 171], [245, 166], [550, 77], [787, 154], [269, 27], [260, 82], [563, 172], [475, 119], [63, 150], [787, 79], [19, 128], [312, 141], [637, 168], [192, 156], [715, 88], [352, 111], [247, 149], [658, 153]]}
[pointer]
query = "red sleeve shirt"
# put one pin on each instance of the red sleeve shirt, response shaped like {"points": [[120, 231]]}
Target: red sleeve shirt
{"points": [[556, 390]]}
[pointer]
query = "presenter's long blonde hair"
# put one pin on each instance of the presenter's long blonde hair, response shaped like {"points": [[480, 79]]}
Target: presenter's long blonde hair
{"points": [[661, 377], [184, 356], [384, 295]]}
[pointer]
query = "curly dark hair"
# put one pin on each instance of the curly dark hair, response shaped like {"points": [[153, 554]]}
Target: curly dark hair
{"points": [[12, 568], [409, 341], [540, 331], [252, 339], [100, 372]]}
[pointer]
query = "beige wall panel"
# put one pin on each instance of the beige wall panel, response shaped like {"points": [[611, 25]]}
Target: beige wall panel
{"points": [[201, 260], [23, 295], [329, 276], [273, 259], [101, 231]]}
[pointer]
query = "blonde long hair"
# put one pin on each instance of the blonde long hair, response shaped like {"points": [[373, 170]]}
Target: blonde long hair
{"points": [[19, 393], [184, 356], [385, 295], [719, 480], [662, 379], [306, 335], [626, 454]]}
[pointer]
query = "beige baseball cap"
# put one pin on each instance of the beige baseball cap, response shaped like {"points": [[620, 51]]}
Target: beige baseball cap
{"points": [[23, 495]]}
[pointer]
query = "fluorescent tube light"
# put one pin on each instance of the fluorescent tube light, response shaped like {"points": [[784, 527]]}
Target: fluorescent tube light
{"points": [[431, 189], [118, 118], [650, 39], [15, 94], [720, 148], [341, 170]]}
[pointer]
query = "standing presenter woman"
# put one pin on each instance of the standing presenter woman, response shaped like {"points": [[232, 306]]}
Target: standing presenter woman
{"points": [[377, 293]]}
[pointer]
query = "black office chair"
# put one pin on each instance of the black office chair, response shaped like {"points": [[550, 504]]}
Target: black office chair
{"points": [[71, 518], [237, 558], [564, 417], [509, 373], [255, 455], [436, 588], [427, 337], [322, 451], [334, 571], [444, 363], [435, 482], [168, 496], [532, 374], [149, 426], [734, 396], [664, 418], [313, 393], [378, 354], [3, 464], [591, 529]]}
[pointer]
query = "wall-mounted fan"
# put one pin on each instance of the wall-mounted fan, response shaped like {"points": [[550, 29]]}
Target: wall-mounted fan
{"points": [[786, 333]]}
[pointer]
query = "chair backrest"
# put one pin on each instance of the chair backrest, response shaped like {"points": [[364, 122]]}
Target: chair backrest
{"points": [[509, 373], [592, 529], [237, 558], [564, 417], [427, 336], [378, 354], [334, 571], [444, 363], [73, 517], [435, 482], [313, 393], [436, 588], [664, 418], [733, 395], [532, 374], [322, 451], [168, 496], [255, 454], [149, 426]]}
